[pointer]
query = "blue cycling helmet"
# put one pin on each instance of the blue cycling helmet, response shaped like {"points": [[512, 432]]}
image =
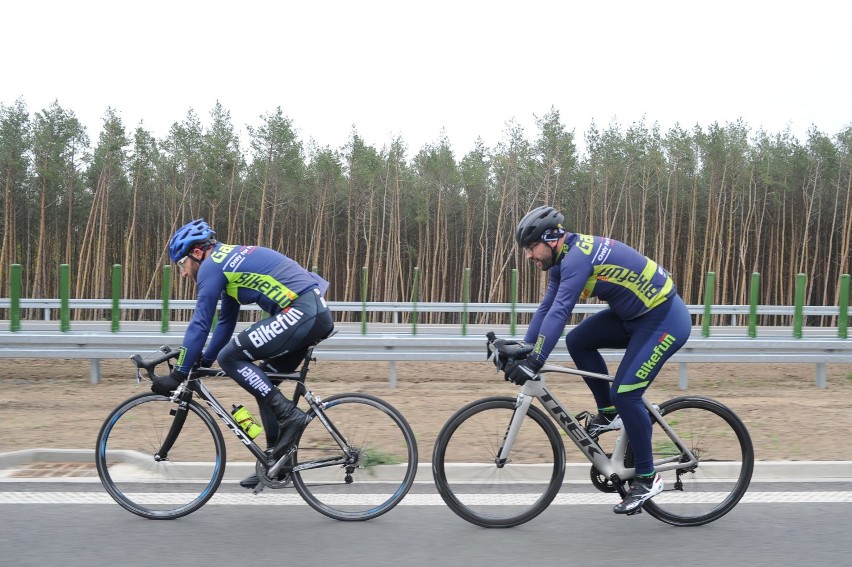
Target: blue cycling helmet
{"points": [[194, 233]]}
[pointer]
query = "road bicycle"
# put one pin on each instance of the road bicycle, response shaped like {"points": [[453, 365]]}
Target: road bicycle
{"points": [[500, 461], [164, 457]]}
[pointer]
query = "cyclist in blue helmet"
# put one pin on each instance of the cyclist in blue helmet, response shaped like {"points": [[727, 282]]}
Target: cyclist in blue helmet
{"points": [[645, 316], [241, 275]]}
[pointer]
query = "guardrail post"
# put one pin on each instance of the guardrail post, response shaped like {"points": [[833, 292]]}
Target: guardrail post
{"points": [[167, 286], [514, 315], [415, 292], [798, 308], [364, 300], [15, 298], [116, 294], [64, 293], [843, 304], [754, 292], [95, 371], [708, 301], [465, 300]]}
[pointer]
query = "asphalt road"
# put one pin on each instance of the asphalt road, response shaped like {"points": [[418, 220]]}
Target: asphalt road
{"points": [[790, 523]]}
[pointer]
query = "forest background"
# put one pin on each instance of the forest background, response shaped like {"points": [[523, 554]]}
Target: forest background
{"points": [[721, 199]]}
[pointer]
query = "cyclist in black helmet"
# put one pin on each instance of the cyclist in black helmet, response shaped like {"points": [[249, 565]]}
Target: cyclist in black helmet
{"points": [[645, 316], [241, 275]]}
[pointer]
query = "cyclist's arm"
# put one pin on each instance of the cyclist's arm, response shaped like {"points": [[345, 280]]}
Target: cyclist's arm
{"points": [[569, 285], [197, 331], [543, 308], [210, 283], [228, 315]]}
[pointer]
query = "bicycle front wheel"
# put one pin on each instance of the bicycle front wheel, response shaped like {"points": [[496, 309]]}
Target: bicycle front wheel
{"points": [[381, 451], [488, 494], [135, 472], [699, 494]]}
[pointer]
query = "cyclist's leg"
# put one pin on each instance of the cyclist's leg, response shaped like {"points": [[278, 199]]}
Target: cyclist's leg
{"points": [[654, 338], [305, 321], [284, 363], [604, 329]]}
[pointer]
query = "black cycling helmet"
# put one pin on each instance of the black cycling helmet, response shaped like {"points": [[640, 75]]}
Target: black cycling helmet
{"points": [[542, 224], [194, 233]]}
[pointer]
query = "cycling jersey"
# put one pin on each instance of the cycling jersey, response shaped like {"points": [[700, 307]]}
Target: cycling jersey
{"points": [[240, 275], [596, 266]]}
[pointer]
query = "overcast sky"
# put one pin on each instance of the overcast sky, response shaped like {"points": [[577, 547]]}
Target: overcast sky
{"points": [[417, 69]]}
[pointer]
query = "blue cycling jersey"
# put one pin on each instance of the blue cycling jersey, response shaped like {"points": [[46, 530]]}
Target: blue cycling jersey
{"points": [[595, 266], [240, 275]]}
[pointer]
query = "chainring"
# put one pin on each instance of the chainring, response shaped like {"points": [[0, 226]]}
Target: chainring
{"points": [[600, 481], [283, 481]]}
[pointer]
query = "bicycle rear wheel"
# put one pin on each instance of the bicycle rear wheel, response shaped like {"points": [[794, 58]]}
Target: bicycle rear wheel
{"points": [[464, 464], [700, 494], [136, 475], [383, 458]]}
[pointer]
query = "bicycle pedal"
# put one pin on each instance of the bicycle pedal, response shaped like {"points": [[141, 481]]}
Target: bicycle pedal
{"points": [[634, 512]]}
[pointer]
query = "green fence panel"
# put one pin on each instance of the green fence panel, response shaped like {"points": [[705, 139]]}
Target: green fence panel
{"points": [[116, 296], [513, 322], [415, 293], [64, 294], [15, 298], [754, 294], [843, 303], [465, 300], [709, 290], [165, 316], [798, 316], [364, 300]]}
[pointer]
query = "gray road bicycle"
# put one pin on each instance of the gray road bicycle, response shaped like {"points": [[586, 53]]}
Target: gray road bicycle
{"points": [[164, 457], [500, 461]]}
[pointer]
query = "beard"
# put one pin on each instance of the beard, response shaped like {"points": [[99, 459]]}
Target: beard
{"points": [[545, 264]]}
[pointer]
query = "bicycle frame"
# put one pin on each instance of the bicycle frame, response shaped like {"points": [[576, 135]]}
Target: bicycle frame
{"points": [[195, 385], [611, 467]]}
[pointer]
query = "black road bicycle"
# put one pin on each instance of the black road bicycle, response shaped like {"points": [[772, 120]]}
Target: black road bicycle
{"points": [[500, 462], [164, 457]]}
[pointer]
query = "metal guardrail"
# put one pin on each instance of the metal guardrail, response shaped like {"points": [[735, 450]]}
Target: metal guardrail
{"points": [[436, 343], [95, 340], [47, 305]]}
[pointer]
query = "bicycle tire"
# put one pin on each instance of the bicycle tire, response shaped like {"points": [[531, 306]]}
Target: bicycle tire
{"points": [[146, 485], [722, 444], [385, 455], [466, 473]]}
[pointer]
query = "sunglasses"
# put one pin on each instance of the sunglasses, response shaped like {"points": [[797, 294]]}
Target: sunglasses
{"points": [[181, 263]]}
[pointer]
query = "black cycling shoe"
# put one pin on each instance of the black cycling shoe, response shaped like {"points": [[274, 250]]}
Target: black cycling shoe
{"points": [[250, 481], [290, 419]]}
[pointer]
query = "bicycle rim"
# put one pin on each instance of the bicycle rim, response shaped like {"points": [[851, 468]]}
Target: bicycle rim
{"points": [[718, 438], [132, 474], [471, 483], [384, 454]]}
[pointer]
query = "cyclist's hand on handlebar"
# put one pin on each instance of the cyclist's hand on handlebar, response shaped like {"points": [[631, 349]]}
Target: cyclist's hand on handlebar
{"points": [[519, 372], [165, 385]]}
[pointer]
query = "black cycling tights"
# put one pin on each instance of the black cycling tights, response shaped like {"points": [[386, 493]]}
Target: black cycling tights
{"points": [[280, 339]]}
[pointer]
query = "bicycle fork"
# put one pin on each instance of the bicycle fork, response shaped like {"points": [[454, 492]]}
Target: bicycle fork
{"points": [[522, 404], [179, 412]]}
